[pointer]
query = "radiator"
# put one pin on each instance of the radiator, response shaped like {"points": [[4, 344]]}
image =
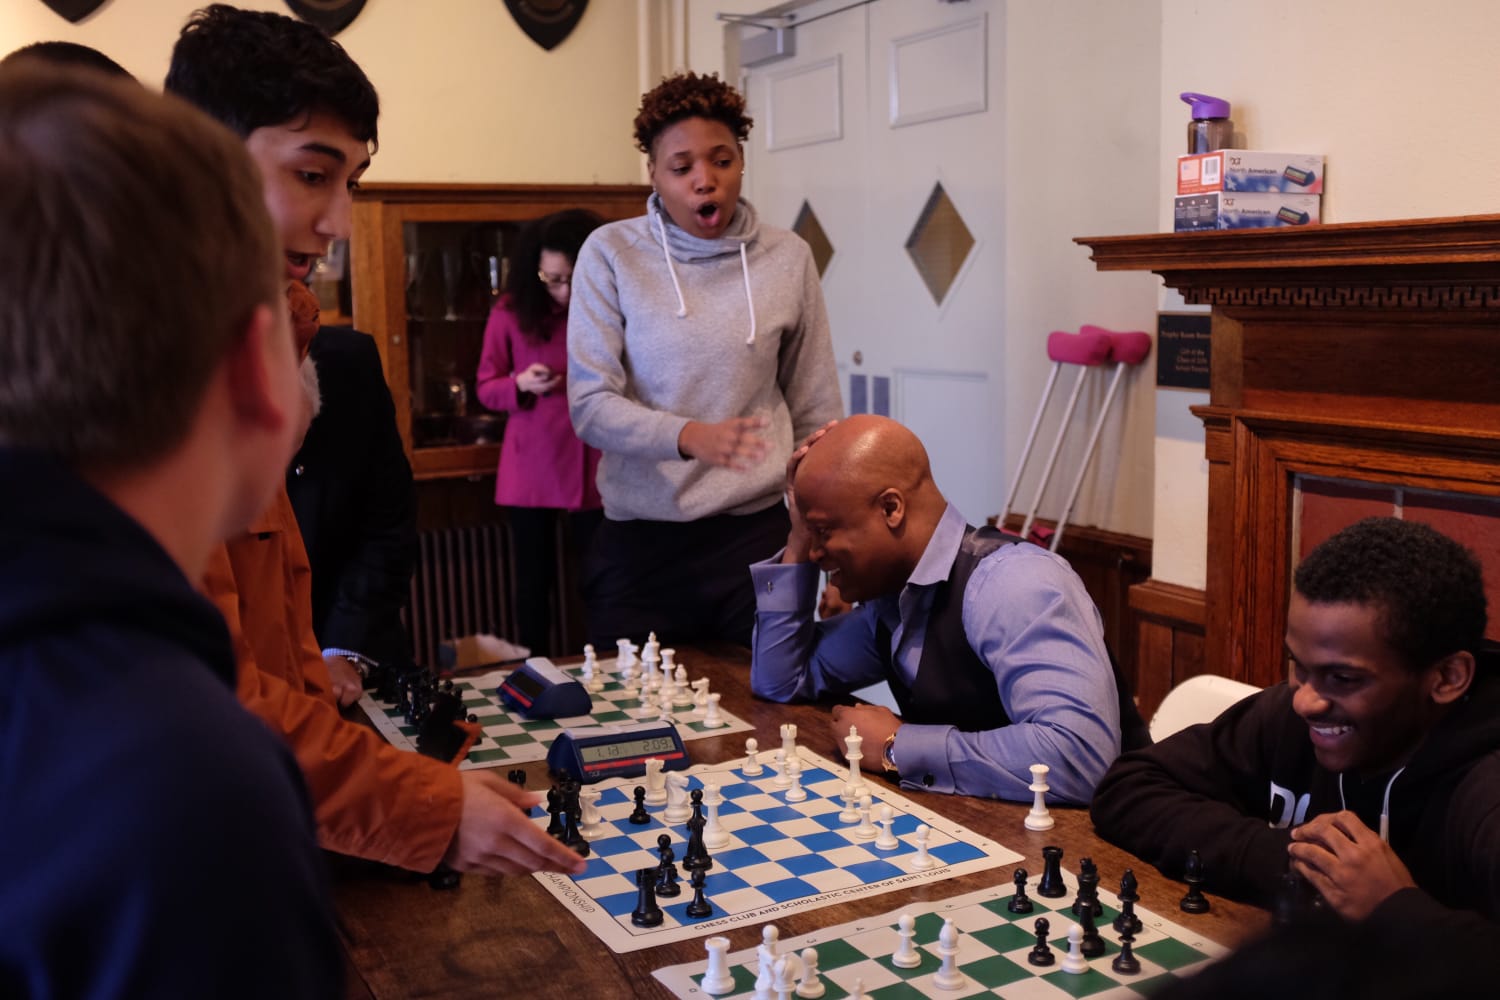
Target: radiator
{"points": [[462, 586]]}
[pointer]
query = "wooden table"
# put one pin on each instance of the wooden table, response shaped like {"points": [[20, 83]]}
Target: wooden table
{"points": [[508, 937]]}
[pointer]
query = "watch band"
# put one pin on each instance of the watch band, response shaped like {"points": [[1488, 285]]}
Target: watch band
{"points": [[888, 756]]}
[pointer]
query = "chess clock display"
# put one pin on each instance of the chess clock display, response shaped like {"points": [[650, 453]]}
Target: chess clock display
{"points": [[538, 689], [597, 752]]}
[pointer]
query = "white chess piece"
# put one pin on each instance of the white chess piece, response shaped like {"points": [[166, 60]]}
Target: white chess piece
{"points": [[647, 708], [700, 698], [887, 841], [921, 861], [712, 719], [664, 709], [778, 764], [866, 830], [765, 959], [796, 793], [590, 826], [718, 979], [947, 976], [811, 987], [752, 767], [668, 661], [852, 744], [849, 814], [789, 738], [625, 662], [906, 956], [681, 694], [715, 836], [1039, 818], [678, 809], [859, 990], [787, 969], [592, 682], [1074, 961], [656, 784]]}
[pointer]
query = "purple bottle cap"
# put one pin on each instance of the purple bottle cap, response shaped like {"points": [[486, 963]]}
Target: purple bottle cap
{"points": [[1206, 107]]}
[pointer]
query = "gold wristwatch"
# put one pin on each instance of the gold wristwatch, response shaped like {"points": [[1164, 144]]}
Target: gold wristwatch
{"points": [[888, 756]]}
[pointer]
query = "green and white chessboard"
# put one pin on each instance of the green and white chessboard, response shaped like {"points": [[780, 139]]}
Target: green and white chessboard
{"points": [[992, 947], [511, 738]]}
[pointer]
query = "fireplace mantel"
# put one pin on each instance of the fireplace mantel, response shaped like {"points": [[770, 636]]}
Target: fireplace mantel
{"points": [[1367, 351]]}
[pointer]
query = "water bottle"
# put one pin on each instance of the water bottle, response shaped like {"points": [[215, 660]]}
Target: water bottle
{"points": [[1210, 128]]}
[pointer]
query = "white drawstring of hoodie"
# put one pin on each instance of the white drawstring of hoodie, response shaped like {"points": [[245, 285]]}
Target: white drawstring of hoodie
{"points": [[666, 252], [1385, 804]]}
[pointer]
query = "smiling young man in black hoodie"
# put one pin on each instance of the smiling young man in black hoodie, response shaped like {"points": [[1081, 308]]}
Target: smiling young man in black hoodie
{"points": [[155, 838], [1374, 774]]}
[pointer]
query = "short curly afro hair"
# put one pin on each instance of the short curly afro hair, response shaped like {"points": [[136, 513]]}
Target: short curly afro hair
{"points": [[688, 95], [1430, 589]]}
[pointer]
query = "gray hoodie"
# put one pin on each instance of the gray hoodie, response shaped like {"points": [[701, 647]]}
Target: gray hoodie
{"points": [[698, 330]]}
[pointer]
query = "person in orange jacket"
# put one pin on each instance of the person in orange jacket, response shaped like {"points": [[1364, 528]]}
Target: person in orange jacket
{"points": [[308, 116]]}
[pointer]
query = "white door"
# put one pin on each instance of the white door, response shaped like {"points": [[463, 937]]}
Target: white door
{"points": [[882, 105]]}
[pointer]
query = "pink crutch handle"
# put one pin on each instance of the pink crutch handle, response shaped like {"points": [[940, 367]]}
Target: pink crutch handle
{"points": [[1124, 348], [1081, 348]]}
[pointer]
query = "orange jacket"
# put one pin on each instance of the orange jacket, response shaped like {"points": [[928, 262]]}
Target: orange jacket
{"points": [[370, 799]]}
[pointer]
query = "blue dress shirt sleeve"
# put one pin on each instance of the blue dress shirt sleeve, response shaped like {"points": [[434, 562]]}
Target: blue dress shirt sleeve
{"points": [[793, 656]]}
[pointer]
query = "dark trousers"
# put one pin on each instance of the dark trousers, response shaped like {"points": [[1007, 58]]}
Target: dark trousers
{"points": [[547, 540], [687, 581]]}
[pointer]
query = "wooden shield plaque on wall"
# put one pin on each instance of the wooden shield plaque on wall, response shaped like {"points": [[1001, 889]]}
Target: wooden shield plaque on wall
{"points": [[547, 22], [332, 16], [75, 10]]}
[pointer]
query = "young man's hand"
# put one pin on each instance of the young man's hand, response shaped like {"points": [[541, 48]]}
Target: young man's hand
{"points": [[496, 838], [738, 443], [1347, 862]]}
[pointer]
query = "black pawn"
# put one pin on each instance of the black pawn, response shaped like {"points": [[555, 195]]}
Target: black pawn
{"points": [[1041, 954], [1125, 963], [666, 872], [699, 907], [646, 912], [1127, 922], [517, 777], [1088, 889], [1051, 885], [1020, 902], [640, 817], [1092, 945], [1194, 901], [554, 810]]}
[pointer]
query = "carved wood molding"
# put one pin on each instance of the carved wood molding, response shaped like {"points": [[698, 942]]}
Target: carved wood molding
{"points": [[1169, 602], [1351, 296]]}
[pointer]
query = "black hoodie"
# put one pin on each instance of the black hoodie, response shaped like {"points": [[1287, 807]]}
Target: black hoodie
{"points": [[155, 839], [1231, 789]]}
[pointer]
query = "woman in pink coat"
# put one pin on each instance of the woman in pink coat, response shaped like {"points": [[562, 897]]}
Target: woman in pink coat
{"points": [[545, 472]]}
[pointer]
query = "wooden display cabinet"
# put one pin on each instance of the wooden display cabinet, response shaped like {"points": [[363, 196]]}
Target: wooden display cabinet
{"points": [[426, 263]]}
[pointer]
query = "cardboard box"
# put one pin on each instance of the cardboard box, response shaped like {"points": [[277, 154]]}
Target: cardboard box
{"points": [[1250, 170], [1243, 211]]}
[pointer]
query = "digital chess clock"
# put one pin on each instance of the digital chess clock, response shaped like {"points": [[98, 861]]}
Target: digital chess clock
{"points": [[599, 752], [539, 689]]}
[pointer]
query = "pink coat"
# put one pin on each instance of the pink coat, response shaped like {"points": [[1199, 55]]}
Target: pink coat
{"points": [[542, 462]]}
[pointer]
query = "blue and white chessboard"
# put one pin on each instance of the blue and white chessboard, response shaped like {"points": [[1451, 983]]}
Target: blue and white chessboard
{"points": [[992, 947], [782, 857], [511, 738]]}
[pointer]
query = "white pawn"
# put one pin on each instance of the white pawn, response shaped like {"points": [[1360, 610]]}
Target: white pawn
{"points": [[794, 771], [656, 783], [751, 767], [778, 764], [678, 809], [921, 861], [849, 814], [589, 822], [906, 956], [1039, 818], [664, 710], [947, 976], [866, 830], [712, 719], [811, 987], [592, 681], [1074, 961], [859, 991], [681, 693], [887, 841], [715, 836], [718, 979], [765, 960]]}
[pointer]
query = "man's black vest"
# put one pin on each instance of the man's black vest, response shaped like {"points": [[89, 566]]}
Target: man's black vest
{"points": [[953, 686]]}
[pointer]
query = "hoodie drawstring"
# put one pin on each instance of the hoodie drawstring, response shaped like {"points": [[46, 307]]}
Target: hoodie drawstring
{"points": [[665, 252], [749, 299], [1385, 804]]}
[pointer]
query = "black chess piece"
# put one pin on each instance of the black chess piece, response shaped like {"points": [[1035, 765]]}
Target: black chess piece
{"points": [[1127, 921], [1294, 900], [1051, 886], [1194, 901], [517, 777], [639, 817], [1041, 954], [699, 907], [1092, 944], [1125, 963], [571, 813], [1088, 888], [696, 855], [554, 812], [666, 872], [1020, 902], [646, 912]]}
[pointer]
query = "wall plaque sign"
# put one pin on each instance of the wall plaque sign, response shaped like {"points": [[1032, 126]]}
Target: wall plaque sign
{"points": [[1182, 350], [547, 22]]}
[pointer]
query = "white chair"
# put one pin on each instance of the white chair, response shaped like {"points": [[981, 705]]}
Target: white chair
{"points": [[1197, 699]]}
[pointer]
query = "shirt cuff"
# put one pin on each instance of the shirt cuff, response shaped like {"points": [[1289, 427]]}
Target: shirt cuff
{"points": [[921, 754], [784, 587]]}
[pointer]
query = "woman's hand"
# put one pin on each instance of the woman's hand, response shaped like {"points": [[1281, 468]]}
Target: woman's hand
{"points": [[538, 380]]}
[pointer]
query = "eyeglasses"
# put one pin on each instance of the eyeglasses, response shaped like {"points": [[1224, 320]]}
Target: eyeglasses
{"points": [[555, 280]]}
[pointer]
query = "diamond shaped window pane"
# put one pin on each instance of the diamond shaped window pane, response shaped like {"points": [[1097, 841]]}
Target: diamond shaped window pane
{"points": [[939, 243], [810, 229]]}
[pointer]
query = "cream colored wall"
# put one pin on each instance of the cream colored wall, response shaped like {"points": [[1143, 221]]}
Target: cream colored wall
{"points": [[465, 95], [1399, 96]]}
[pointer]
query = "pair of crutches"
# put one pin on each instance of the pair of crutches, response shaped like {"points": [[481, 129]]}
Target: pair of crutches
{"points": [[1090, 347]]}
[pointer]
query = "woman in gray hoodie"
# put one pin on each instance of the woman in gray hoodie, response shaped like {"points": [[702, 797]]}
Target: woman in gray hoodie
{"points": [[698, 353]]}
